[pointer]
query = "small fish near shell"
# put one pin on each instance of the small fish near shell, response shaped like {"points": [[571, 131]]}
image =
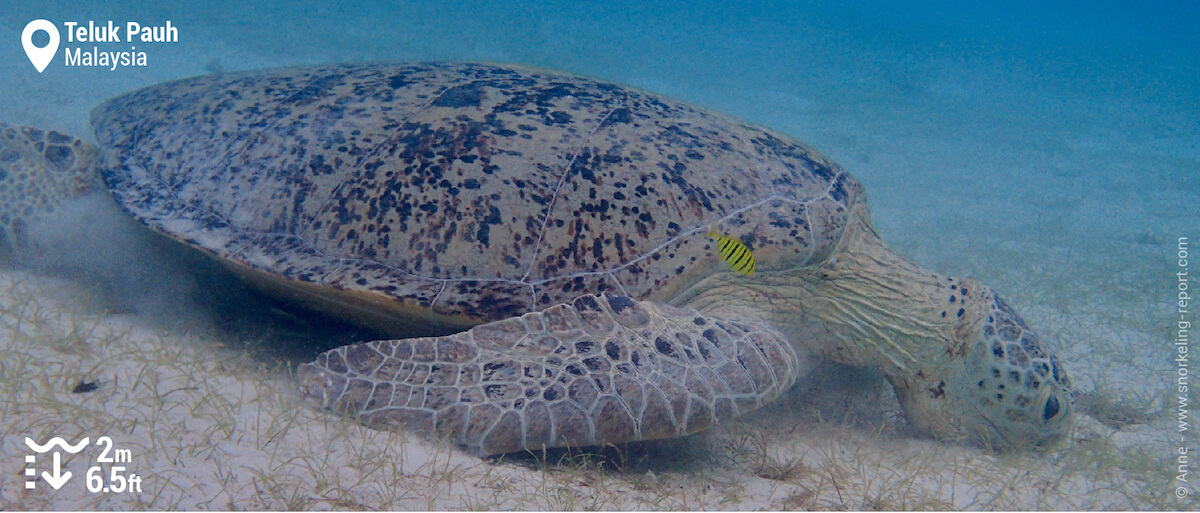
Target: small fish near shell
{"points": [[732, 251]]}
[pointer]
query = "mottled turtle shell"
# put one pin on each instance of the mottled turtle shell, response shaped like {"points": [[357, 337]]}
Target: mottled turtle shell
{"points": [[453, 194]]}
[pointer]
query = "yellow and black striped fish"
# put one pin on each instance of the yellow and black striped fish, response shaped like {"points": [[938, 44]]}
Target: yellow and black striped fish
{"points": [[736, 254]]}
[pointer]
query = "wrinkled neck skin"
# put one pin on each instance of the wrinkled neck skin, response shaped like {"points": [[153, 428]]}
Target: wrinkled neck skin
{"points": [[868, 307], [865, 307]]}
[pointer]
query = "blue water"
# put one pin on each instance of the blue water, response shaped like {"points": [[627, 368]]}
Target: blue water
{"points": [[1050, 148]]}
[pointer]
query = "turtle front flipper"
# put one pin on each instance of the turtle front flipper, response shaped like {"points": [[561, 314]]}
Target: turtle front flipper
{"points": [[39, 170], [601, 370]]}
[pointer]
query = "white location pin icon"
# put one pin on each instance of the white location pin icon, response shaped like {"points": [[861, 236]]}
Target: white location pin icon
{"points": [[40, 57]]}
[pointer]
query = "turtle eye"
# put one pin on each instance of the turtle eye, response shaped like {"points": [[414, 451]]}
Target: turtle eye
{"points": [[1051, 409]]}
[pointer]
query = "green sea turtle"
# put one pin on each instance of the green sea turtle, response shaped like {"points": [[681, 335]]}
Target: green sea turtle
{"points": [[540, 239]]}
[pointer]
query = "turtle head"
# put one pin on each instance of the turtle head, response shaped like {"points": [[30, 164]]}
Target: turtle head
{"points": [[998, 384], [1020, 390]]}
